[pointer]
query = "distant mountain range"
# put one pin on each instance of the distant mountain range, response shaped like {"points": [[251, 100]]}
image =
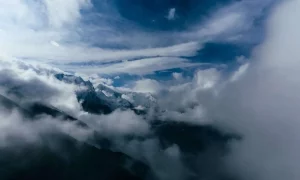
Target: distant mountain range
{"points": [[104, 100], [86, 160]]}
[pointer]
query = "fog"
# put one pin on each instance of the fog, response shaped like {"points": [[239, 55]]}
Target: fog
{"points": [[263, 105]]}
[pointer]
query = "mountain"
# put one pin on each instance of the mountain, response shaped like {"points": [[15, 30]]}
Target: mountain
{"points": [[103, 99], [68, 159], [59, 156], [87, 95], [33, 109], [114, 98], [8, 104]]}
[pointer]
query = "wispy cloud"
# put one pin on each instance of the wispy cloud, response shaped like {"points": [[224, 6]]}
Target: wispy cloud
{"points": [[77, 31], [171, 14], [135, 67]]}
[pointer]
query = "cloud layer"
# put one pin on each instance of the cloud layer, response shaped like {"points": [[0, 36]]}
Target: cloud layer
{"points": [[82, 31]]}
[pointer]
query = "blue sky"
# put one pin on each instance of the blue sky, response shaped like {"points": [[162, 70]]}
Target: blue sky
{"points": [[132, 38]]}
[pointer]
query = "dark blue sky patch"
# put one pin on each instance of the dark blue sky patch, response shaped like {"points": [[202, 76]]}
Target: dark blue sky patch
{"points": [[143, 24], [121, 79], [135, 24], [152, 15], [224, 53], [161, 76]]}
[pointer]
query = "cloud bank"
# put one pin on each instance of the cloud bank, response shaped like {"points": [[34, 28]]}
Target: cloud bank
{"points": [[264, 104]]}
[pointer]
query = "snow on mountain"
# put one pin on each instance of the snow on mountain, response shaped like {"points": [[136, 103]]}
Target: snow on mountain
{"points": [[105, 99]]}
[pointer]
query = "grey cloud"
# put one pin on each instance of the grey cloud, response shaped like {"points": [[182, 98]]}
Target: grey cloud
{"points": [[17, 129], [263, 104], [127, 132], [118, 123]]}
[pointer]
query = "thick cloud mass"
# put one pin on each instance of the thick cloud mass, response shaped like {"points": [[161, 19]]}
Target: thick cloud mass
{"points": [[265, 103], [43, 117]]}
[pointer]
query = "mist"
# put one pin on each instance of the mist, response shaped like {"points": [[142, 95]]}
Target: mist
{"points": [[263, 106]]}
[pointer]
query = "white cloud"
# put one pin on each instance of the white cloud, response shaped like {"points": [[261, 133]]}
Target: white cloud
{"points": [[64, 12], [239, 73], [37, 83], [232, 23], [263, 104], [147, 86], [171, 14], [196, 115], [193, 96], [117, 124], [52, 31], [54, 43], [96, 80], [206, 79], [226, 23], [177, 76], [41, 23], [85, 53], [16, 130], [140, 67], [47, 13]]}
